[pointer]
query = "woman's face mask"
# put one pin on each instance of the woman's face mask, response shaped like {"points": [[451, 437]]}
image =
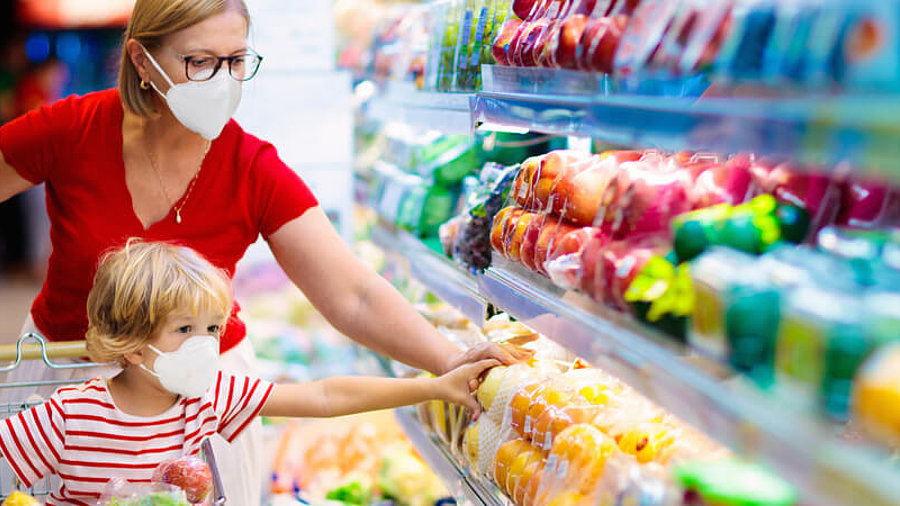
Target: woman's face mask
{"points": [[203, 107], [190, 370]]}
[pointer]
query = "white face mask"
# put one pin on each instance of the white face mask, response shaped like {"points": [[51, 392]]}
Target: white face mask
{"points": [[190, 370], [203, 107]]}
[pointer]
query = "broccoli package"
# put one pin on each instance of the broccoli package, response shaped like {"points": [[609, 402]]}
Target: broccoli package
{"points": [[472, 246]]}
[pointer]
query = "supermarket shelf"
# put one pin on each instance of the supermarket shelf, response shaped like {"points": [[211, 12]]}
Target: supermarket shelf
{"points": [[447, 112], [457, 480], [805, 450], [439, 274]]}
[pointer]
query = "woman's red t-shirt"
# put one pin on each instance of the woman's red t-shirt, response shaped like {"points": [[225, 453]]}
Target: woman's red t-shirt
{"points": [[75, 147]]}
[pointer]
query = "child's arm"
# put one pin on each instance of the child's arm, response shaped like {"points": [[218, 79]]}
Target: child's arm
{"points": [[347, 395]]}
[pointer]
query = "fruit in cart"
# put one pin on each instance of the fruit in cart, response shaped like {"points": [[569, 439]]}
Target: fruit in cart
{"points": [[191, 474], [600, 40], [568, 37], [500, 49], [18, 498]]}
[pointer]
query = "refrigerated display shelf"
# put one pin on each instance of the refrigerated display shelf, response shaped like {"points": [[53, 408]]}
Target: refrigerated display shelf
{"points": [[803, 448], [459, 481], [822, 130]]}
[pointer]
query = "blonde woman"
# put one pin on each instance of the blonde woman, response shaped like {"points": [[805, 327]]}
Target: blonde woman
{"points": [[158, 310], [159, 157]]}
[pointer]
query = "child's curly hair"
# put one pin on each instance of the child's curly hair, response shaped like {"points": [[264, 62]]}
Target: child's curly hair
{"points": [[141, 284]]}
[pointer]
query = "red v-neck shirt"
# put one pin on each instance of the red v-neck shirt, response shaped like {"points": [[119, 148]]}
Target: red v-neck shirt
{"points": [[75, 146]]}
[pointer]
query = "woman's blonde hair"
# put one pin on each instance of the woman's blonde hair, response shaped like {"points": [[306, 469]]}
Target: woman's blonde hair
{"points": [[136, 288], [150, 21]]}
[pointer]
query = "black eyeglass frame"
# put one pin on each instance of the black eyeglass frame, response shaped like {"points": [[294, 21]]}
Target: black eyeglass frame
{"points": [[219, 61]]}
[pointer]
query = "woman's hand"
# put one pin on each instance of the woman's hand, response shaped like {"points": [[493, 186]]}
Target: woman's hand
{"points": [[457, 385], [504, 353]]}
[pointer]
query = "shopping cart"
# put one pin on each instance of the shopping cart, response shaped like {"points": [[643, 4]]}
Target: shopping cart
{"points": [[47, 352]]}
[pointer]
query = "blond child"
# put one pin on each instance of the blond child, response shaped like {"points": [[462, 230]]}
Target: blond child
{"points": [[157, 310]]}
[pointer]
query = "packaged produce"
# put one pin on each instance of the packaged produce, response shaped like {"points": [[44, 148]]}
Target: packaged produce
{"points": [[786, 58], [876, 395], [645, 35], [742, 54], [619, 262], [601, 40], [120, 492], [662, 296], [731, 294], [752, 227], [869, 204], [713, 24], [472, 244], [813, 191], [732, 482], [190, 474], [821, 343]]}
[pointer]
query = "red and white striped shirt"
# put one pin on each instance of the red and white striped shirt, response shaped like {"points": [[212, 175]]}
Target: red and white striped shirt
{"points": [[80, 435]]}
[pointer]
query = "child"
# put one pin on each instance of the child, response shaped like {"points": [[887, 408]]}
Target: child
{"points": [[157, 309]]}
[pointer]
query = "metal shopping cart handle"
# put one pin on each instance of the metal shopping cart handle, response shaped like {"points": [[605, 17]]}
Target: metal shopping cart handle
{"points": [[16, 353], [218, 493]]}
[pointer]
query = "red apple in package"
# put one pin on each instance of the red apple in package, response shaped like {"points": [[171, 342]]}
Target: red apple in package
{"points": [[567, 38], [189, 473], [804, 187], [619, 262], [530, 240], [501, 46], [585, 191], [722, 184], [524, 8], [600, 41], [652, 198], [869, 204], [545, 180], [648, 27], [550, 232], [574, 258]]}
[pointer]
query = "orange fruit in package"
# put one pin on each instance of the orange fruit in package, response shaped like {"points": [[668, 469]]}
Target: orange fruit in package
{"points": [[518, 480], [506, 455], [519, 405], [550, 396], [567, 498], [647, 441], [582, 450]]}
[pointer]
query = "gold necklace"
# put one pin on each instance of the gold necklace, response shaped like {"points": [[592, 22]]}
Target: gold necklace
{"points": [[152, 158]]}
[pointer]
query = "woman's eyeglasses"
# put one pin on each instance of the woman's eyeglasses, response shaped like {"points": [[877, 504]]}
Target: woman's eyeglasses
{"points": [[241, 67]]}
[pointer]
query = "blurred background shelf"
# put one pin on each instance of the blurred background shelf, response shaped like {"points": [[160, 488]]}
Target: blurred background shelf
{"points": [[800, 446], [447, 112]]}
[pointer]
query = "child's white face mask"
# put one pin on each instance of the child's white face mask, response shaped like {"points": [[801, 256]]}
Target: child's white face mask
{"points": [[190, 370]]}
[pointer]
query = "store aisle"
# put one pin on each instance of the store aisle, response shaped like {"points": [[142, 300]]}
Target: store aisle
{"points": [[16, 296]]}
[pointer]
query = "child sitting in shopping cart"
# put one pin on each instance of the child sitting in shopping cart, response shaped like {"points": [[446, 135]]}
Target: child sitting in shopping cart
{"points": [[157, 310]]}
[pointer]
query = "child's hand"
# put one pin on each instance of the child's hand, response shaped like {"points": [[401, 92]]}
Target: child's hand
{"points": [[458, 386]]}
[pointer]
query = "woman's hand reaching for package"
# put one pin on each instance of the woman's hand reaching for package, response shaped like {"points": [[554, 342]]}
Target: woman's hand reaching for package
{"points": [[459, 385]]}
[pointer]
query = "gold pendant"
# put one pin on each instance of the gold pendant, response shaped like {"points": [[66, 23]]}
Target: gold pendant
{"points": [[178, 216]]}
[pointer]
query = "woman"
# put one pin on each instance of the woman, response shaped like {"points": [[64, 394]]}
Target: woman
{"points": [[160, 158]]}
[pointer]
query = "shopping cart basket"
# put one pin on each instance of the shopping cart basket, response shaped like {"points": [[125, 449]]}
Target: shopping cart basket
{"points": [[47, 352]]}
